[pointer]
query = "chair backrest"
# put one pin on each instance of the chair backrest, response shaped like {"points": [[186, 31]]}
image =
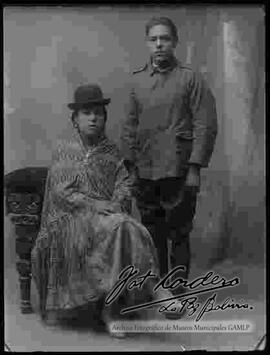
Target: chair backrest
{"points": [[29, 181], [29, 178]]}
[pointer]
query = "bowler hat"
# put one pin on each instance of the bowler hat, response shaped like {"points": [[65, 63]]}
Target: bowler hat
{"points": [[87, 95]]}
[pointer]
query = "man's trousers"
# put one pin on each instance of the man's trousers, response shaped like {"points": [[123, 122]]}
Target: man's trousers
{"points": [[167, 210]]}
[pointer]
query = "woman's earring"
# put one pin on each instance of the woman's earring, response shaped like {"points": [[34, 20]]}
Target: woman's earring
{"points": [[75, 124]]}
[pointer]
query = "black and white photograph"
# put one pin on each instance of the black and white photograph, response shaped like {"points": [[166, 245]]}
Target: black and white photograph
{"points": [[134, 178]]}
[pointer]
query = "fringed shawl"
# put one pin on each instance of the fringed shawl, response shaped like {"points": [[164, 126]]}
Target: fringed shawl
{"points": [[86, 236]]}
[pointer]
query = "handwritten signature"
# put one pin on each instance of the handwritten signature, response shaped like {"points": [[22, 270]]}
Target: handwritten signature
{"points": [[209, 305], [208, 282]]}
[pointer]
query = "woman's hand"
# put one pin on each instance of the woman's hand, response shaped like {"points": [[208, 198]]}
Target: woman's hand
{"points": [[107, 207]]}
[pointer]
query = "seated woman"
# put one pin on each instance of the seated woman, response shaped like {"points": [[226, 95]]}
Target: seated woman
{"points": [[86, 236]]}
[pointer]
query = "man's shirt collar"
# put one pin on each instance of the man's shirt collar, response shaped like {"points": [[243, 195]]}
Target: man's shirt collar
{"points": [[154, 69]]}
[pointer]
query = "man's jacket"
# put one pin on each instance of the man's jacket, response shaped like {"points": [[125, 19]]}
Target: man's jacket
{"points": [[171, 122]]}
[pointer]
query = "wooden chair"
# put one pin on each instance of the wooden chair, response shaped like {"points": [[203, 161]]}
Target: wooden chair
{"points": [[24, 192]]}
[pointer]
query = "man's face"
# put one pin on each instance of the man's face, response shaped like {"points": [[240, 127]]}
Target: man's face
{"points": [[91, 121], [161, 43]]}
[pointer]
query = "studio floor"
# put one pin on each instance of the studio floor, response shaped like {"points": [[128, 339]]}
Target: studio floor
{"points": [[26, 332]]}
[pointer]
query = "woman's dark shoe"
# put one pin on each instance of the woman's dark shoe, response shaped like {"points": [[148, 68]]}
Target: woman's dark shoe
{"points": [[175, 315]]}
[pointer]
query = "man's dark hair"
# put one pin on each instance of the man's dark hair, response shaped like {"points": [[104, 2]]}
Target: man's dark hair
{"points": [[165, 21], [75, 113]]}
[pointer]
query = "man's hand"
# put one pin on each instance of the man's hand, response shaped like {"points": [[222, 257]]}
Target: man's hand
{"points": [[193, 179]]}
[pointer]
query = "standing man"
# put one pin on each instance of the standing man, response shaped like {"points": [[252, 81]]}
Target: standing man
{"points": [[167, 137]]}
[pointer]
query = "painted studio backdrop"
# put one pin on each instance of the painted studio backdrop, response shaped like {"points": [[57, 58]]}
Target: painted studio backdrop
{"points": [[48, 52]]}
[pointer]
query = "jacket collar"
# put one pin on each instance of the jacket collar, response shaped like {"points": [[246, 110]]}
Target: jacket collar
{"points": [[154, 69]]}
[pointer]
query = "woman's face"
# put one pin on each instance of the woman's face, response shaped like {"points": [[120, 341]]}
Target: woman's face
{"points": [[91, 121]]}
